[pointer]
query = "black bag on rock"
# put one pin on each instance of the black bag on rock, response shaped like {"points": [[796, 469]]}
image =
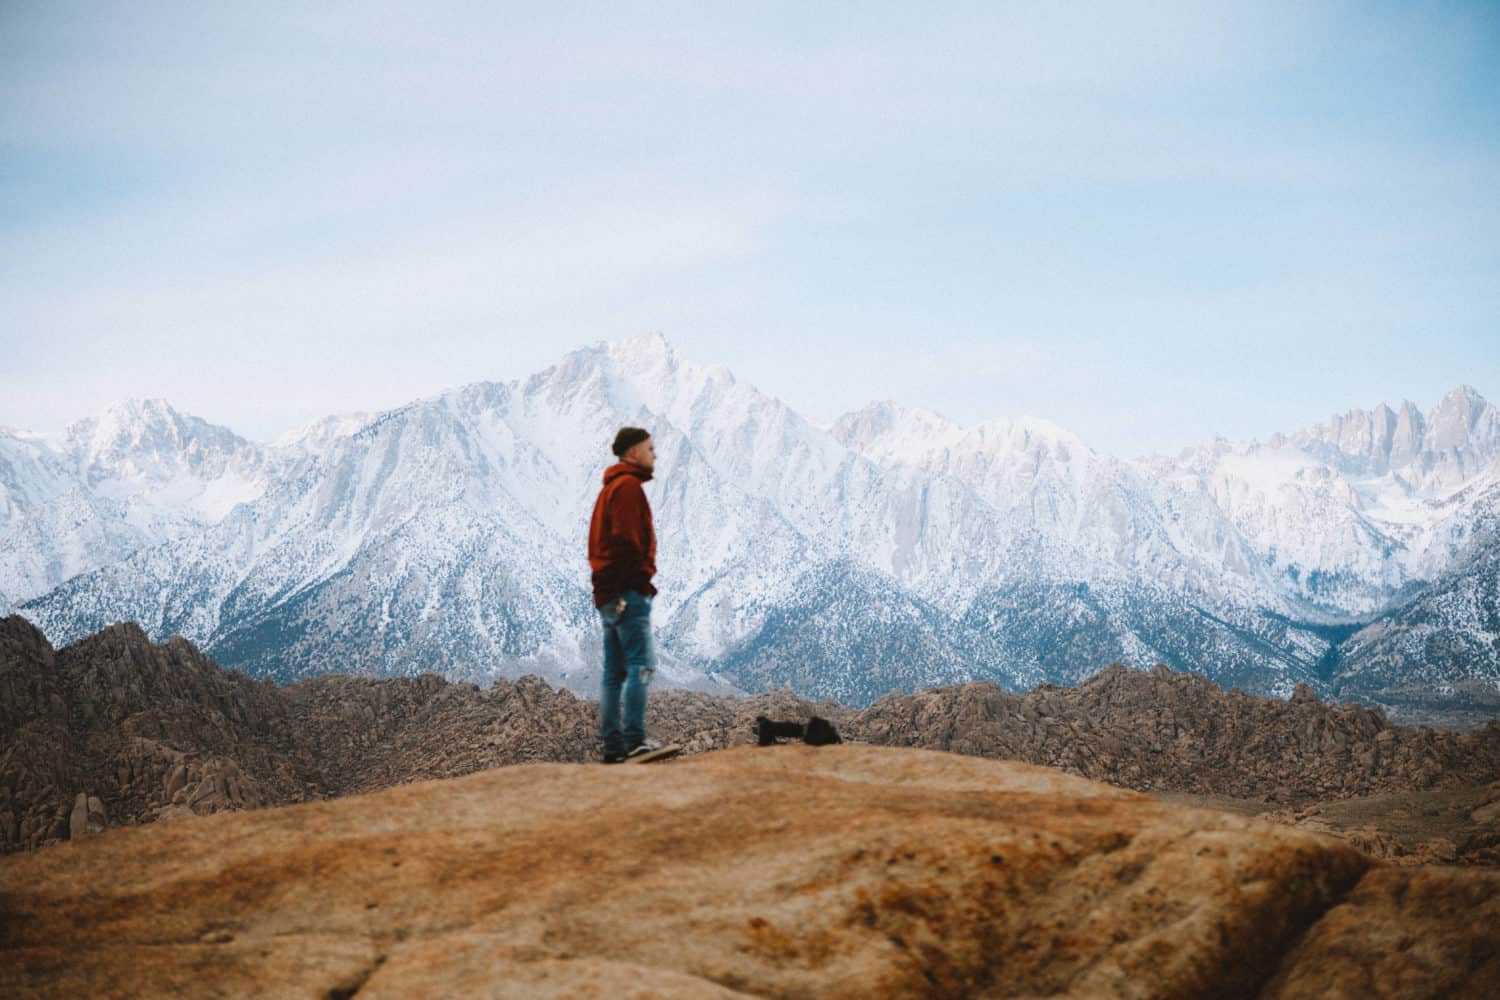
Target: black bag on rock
{"points": [[818, 731]]}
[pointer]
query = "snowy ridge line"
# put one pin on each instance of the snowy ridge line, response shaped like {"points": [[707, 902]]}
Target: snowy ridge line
{"points": [[892, 549]]}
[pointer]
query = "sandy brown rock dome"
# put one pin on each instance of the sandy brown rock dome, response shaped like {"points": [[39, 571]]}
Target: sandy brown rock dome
{"points": [[792, 871]]}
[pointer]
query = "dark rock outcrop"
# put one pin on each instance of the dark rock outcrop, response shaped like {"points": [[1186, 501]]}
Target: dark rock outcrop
{"points": [[153, 731], [1163, 731]]}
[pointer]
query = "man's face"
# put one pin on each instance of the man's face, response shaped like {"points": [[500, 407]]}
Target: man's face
{"points": [[642, 453]]}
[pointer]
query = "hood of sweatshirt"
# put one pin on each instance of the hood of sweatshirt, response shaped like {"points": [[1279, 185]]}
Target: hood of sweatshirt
{"points": [[625, 469]]}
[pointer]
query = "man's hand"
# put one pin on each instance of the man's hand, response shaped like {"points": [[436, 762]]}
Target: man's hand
{"points": [[620, 606]]}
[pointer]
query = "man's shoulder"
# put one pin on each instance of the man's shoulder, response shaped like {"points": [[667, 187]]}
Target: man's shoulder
{"points": [[624, 484]]}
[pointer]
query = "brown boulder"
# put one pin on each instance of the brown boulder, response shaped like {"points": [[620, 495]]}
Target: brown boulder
{"points": [[1425, 932]]}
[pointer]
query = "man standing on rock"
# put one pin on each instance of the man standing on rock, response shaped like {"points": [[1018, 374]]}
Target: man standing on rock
{"points": [[622, 554]]}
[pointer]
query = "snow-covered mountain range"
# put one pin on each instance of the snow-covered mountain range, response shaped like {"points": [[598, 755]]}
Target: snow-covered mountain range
{"points": [[893, 549]]}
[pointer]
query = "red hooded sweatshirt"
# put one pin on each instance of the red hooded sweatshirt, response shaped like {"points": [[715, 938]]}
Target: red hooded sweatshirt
{"points": [[622, 542]]}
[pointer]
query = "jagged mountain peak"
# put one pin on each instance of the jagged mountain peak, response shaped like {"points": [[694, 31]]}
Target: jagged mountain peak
{"points": [[1422, 453], [881, 420], [1026, 432], [650, 347], [152, 424], [139, 408], [129, 414], [1430, 453], [317, 434], [891, 410], [644, 371], [136, 474], [890, 431], [129, 422], [152, 440], [1463, 402], [648, 361], [1465, 392], [1463, 418], [655, 367]]}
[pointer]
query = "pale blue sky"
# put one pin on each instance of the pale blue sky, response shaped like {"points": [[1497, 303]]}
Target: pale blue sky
{"points": [[1148, 222]]}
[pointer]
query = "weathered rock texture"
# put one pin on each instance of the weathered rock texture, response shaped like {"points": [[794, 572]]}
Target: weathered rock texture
{"points": [[1456, 825], [154, 731], [1427, 932], [851, 871]]}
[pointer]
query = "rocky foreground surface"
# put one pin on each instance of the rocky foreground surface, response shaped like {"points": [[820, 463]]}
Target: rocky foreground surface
{"points": [[117, 731], [789, 871]]}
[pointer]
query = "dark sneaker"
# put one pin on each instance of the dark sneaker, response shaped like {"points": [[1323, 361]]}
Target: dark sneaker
{"points": [[615, 757], [642, 748]]}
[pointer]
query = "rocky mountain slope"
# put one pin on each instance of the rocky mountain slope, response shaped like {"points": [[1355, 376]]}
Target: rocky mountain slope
{"points": [[893, 550], [793, 871], [133, 477], [1440, 650], [114, 730]]}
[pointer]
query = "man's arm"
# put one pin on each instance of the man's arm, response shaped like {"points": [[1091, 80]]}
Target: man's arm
{"points": [[629, 527]]}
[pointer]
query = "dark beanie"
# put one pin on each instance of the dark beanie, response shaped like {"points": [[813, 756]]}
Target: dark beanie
{"points": [[628, 438]]}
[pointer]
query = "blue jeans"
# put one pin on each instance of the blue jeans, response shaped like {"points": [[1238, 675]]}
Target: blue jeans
{"points": [[629, 663]]}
